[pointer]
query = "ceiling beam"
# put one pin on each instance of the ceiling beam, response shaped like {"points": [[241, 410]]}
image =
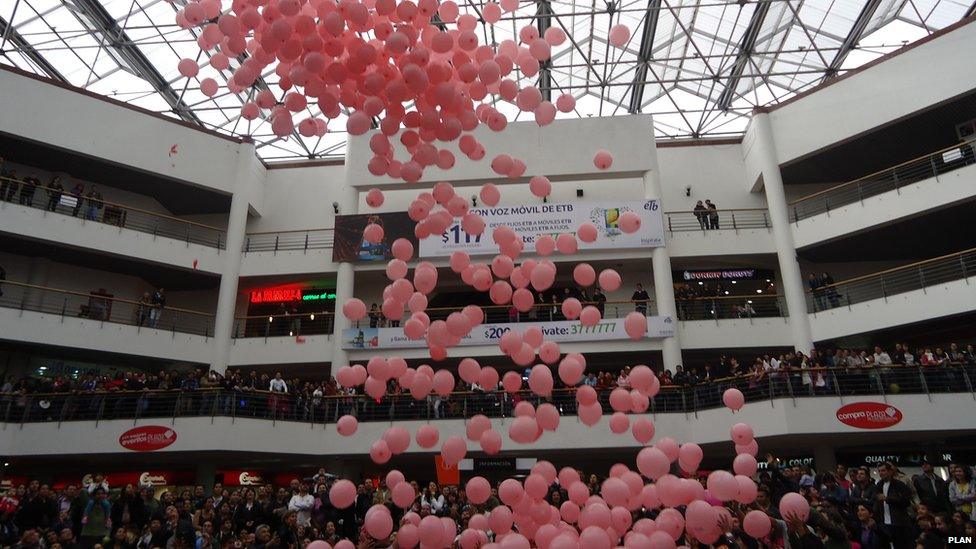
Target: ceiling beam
{"points": [[543, 20], [20, 44], [746, 47], [971, 11], [644, 55], [853, 37], [140, 65]]}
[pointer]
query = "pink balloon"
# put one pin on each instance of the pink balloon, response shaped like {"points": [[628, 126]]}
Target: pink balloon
{"points": [[570, 371], [500, 520], [745, 464], [373, 233], [757, 524], [374, 198], [635, 324], [380, 452], [566, 244], [523, 300], [584, 274], [427, 436], [752, 448], [652, 463], [590, 414], [619, 423], [342, 494], [733, 399], [488, 378], [188, 68], [402, 249], [453, 450], [587, 232], [354, 309], [443, 383], [619, 34], [794, 504], [615, 492], [603, 160], [589, 316], [722, 485], [571, 308], [318, 544], [629, 222], [609, 280], [690, 456], [478, 490], [396, 269], [643, 430], [747, 489], [620, 400], [549, 352], [586, 395], [547, 417], [512, 382], [431, 531], [523, 430], [491, 442], [379, 522], [490, 194], [545, 245], [540, 380], [540, 186], [347, 425], [209, 87], [742, 433]]}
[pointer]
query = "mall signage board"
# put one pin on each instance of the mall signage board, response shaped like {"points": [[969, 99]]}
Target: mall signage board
{"points": [[533, 220], [147, 438], [869, 415], [566, 331]]}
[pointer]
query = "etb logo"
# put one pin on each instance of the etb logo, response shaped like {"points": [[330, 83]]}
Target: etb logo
{"points": [[968, 540]]}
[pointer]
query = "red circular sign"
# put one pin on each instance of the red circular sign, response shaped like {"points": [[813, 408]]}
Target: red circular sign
{"points": [[869, 415], [147, 438]]}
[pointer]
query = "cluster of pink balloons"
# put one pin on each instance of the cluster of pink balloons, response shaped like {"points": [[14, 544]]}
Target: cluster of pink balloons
{"points": [[378, 59]]}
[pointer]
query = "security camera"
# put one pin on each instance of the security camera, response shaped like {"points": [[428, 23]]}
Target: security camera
{"points": [[474, 201], [688, 190], [335, 207]]}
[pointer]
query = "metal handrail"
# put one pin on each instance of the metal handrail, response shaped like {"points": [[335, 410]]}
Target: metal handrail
{"points": [[288, 240], [305, 407], [285, 325], [729, 219], [158, 224], [881, 181], [42, 299], [882, 284]]}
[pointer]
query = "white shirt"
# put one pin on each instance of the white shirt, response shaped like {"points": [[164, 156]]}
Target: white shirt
{"points": [[302, 505], [887, 509], [278, 386], [882, 359]]}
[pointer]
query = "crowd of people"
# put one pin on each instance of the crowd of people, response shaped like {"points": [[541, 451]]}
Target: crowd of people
{"points": [[261, 394], [77, 200], [851, 507]]}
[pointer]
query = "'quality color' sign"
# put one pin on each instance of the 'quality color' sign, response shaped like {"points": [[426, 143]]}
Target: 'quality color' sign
{"points": [[147, 438], [869, 415]]}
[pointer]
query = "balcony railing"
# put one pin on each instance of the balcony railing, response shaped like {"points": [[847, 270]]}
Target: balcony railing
{"points": [[881, 285], [731, 306], [888, 179], [303, 407], [735, 219], [275, 241], [284, 325], [117, 215], [103, 308]]}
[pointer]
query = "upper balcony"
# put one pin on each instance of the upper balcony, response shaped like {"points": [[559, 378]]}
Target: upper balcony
{"points": [[780, 409], [938, 287], [268, 253], [106, 226], [728, 232], [930, 182]]}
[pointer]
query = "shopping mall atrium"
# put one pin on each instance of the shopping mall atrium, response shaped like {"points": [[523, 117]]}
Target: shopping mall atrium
{"points": [[398, 273]]}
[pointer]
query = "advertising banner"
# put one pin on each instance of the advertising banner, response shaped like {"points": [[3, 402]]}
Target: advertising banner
{"points": [[532, 220], [348, 244], [489, 334], [869, 415], [147, 438]]}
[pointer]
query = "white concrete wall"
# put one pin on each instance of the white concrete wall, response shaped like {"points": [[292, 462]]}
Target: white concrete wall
{"points": [[734, 333], [920, 305], [107, 131], [887, 208], [81, 333], [713, 172], [563, 148], [793, 418], [282, 350], [916, 79], [102, 238]]}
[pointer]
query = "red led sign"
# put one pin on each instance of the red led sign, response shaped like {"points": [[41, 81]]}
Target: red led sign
{"points": [[276, 295]]}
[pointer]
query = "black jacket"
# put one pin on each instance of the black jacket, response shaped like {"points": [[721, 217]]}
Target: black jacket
{"points": [[899, 498], [933, 492]]}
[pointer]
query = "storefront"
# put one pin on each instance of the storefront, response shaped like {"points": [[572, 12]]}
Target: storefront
{"points": [[295, 309], [740, 292]]}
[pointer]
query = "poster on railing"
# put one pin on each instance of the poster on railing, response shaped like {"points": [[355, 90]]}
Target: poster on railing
{"points": [[566, 331], [532, 220]]}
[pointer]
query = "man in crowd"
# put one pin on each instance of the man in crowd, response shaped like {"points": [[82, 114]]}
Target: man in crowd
{"points": [[640, 299], [892, 501], [932, 490], [54, 192], [94, 200], [158, 303]]}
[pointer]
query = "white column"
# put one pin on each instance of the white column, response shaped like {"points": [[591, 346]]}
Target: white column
{"points": [[348, 201], [661, 268], [231, 272], [789, 270]]}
